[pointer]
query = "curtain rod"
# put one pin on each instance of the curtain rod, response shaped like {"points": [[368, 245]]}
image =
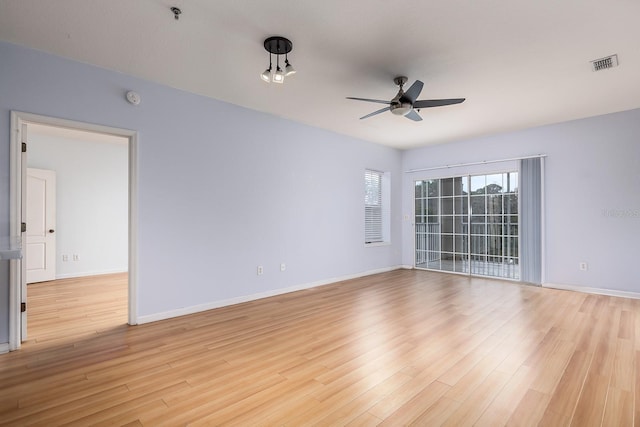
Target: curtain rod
{"points": [[474, 163]]}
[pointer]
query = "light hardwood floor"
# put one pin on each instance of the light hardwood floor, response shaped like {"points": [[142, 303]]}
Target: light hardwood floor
{"points": [[400, 348]]}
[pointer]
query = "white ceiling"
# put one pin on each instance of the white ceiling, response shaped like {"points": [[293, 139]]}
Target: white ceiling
{"points": [[519, 63]]}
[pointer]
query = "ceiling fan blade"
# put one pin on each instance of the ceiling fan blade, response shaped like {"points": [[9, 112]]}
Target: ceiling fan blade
{"points": [[379, 101], [413, 115], [382, 110], [426, 103], [413, 92]]}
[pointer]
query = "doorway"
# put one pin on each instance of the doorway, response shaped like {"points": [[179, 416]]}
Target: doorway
{"points": [[468, 225], [21, 124]]}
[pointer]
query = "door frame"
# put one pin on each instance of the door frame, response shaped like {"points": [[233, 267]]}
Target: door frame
{"points": [[16, 205], [467, 175]]}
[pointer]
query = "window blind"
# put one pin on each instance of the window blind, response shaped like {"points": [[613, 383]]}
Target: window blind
{"points": [[372, 206], [531, 219]]}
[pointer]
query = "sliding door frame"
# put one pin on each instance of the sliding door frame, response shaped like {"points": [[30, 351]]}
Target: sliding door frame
{"points": [[465, 176]]}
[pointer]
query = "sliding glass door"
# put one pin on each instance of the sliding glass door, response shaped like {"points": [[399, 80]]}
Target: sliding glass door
{"points": [[468, 224]]}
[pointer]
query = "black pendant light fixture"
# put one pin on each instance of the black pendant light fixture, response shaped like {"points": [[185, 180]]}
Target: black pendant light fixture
{"points": [[278, 46]]}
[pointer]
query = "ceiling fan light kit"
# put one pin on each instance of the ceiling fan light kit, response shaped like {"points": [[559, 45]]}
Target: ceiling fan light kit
{"points": [[278, 46], [406, 103]]}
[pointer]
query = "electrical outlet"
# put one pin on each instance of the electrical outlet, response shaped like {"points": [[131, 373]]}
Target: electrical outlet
{"points": [[283, 266], [260, 270], [584, 266], [76, 257], [65, 258]]}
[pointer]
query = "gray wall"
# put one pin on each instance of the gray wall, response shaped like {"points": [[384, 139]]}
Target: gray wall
{"points": [[222, 189], [592, 193], [91, 201]]}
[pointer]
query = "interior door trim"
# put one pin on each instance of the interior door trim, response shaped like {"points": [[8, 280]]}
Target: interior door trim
{"points": [[17, 170]]}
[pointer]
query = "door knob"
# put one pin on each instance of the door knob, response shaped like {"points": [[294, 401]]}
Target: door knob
{"points": [[52, 231]]}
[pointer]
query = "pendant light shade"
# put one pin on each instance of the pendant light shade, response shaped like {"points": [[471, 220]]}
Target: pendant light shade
{"points": [[288, 69], [278, 76], [266, 75]]}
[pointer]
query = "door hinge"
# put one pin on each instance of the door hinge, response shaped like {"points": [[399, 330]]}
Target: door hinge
{"points": [[23, 307], [23, 227], [24, 147]]}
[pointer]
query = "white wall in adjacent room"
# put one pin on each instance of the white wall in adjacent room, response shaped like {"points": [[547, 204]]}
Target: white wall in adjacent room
{"points": [[91, 200]]}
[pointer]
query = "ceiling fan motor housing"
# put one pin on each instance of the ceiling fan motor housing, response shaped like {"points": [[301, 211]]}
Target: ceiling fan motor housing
{"points": [[401, 108], [399, 105]]}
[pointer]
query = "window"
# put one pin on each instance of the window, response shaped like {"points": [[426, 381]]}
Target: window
{"points": [[376, 206], [469, 224]]}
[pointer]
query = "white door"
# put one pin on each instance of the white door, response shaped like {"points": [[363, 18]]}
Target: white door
{"points": [[40, 251]]}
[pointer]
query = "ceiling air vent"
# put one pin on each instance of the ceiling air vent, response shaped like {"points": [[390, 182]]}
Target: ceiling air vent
{"points": [[604, 63]]}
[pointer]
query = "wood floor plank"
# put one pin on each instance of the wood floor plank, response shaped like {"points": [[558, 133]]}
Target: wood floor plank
{"points": [[352, 410], [405, 347], [474, 378], [504, 404], [117, 405], [264, 405], [364, 420], [438, 413], [410, 389], [555, 364], [476, 403], [552, 418], [566, 394], [530, 410], [411, 410], [590, 408], [627, 325], [313, 414], [619, 408], [636, 403], [623, 359]]}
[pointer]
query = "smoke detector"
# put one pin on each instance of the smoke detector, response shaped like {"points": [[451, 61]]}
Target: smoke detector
{"points": [[133, 97], [604, 63]]}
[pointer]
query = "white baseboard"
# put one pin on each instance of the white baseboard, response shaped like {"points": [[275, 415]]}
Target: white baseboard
{"points": [[89, 273], [596, 291], [4, 348], [407, 267], [238, 300]]}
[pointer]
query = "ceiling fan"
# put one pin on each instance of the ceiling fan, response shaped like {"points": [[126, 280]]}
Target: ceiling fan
{"points": [[406, 103]]}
